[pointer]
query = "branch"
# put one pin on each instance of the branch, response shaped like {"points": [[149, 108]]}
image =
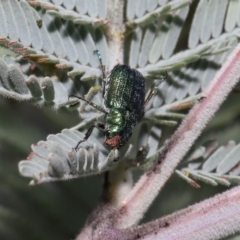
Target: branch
{"points": [[214, 218]]}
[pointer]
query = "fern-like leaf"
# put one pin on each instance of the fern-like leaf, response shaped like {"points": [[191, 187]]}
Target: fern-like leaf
{"points": [[221, 167]]}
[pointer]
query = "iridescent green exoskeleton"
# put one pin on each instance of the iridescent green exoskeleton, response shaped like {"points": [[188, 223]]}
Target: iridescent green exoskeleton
{"points": [[124, 101]]}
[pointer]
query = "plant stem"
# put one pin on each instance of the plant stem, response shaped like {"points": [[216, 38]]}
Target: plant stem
{"points": [[115, 34]]}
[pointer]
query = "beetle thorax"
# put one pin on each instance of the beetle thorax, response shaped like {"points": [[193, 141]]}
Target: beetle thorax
{"points": [[115, 122]]}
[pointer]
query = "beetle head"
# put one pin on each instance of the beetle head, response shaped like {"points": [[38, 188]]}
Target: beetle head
{"points": [[113, 142]]}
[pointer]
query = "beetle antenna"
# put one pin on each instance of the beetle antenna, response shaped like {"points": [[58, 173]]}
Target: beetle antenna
{"points": [[103, 71], [101, 64]]}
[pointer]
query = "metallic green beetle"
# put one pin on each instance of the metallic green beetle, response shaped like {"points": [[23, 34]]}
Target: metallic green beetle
{"points": [[124, 102]]}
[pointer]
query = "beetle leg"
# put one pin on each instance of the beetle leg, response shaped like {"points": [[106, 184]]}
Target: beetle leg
{"points": [[154, 89], [90, 103], [100, 126], [150, 95]]}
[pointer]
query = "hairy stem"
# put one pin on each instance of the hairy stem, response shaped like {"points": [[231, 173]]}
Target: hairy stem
{"points": [[213, 218], [115, 35]]}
